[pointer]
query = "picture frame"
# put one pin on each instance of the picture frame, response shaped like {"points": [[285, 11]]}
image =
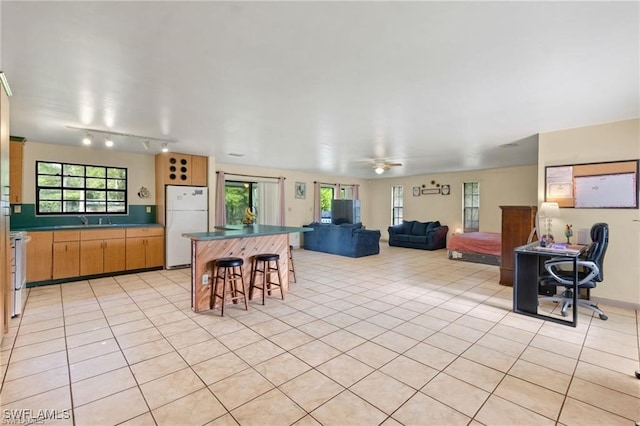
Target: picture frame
{"points": [[445, 190], [430, 191], [301, 190], [416, 191]]}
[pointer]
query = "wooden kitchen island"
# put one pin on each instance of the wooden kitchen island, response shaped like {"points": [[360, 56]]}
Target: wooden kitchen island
{"points": [[235, 241]]}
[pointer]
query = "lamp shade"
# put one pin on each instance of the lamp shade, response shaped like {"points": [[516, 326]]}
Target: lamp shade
{"points": [[549, 210]]}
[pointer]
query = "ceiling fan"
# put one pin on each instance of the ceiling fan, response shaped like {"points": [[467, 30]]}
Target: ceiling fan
{"points": [[379, 166]]}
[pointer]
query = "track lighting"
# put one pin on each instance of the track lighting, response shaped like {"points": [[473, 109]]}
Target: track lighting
{"points": [[148, 142], [87, 139]]}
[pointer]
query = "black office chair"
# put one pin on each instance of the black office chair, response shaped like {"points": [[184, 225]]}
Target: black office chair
{"points": [[589, 274]]}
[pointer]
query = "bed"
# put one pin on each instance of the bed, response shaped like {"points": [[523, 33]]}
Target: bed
{"points": [[477, 247]]}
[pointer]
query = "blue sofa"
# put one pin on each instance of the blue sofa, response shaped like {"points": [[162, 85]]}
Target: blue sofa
{"points": [[346, 240], [420, 235]]}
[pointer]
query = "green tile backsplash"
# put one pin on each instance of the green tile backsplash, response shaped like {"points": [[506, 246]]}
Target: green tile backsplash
{"points": [[27, 217]]}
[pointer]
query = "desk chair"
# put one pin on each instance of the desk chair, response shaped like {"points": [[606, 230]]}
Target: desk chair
{"points": [[590, 272]]}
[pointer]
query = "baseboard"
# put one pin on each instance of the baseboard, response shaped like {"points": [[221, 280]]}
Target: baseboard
{"points": [[616, 303]]}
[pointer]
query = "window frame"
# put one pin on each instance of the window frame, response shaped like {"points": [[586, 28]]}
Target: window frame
{"points": [[251, 187], [468, 226], [397, 210], [83, 201]]}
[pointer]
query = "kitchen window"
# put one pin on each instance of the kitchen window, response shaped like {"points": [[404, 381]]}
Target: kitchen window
{"points": [[69, 189]]}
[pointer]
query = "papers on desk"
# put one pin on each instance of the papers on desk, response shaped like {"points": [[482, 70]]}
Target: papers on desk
{"points": [[562, 248]]}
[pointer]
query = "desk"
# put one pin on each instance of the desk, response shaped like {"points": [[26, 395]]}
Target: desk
{"points": [[529, 261]]}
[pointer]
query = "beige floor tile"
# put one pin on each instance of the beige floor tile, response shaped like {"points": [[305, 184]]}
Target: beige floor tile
{"points": [[282, 368], [501, 344], [347, 408], [556, 346], [550, 360], [409, 371], [447, 343], [202, 351], [224, 420], [610, 400], [89, 337], [315, 353], [39, 337], [196, 408], [490, 358], [137, 338], [467, 334], [512, 334], [479, 324], [476, 374], [372, 354], [343, 340], [57, 401], [113, 409], [86, 326], [87, 316], [497, 411], [578, 413], [240, 388], [271, 327], [153, 368], [430, 355], [35, 365], [188, 338], [220, 367], [92, 350], [533, 397], [168, 388], [345, 370], [291, 339], [317, 328], [272, 408], [24, 387], [311, 389], [607, 360], [383, 391], [131, 327], [620, 382], [125, 317], [307, 420], [456, 394], [147, 351], [365, 329], [423, 410], [145, 419], [395, 341], [98, 365], [414, 331], [258, 352], [541, 376], [102, 385], [297, 319], [37, 349], [41, 325], [240, 338]]}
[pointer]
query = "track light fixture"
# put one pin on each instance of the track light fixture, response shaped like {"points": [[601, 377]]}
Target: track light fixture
{"points": [[88, 138], [108, 141]]}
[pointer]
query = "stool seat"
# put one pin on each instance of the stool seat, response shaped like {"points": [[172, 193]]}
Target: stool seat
{"points": [[229, 262], [267, 257]]}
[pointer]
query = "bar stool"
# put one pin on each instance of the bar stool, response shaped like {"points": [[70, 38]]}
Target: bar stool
{"points": [[292, 268], [266, 264], [228, 270]]}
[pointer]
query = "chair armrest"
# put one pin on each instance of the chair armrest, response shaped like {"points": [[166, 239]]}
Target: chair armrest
{"points": [[553, 265]]}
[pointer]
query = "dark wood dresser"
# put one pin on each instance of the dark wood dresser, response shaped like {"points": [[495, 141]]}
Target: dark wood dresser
{"points": [[517, 223]]}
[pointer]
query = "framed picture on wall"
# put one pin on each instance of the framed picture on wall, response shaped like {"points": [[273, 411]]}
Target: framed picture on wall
{"points": [[301, 190], [416, 191], [430, 191]]}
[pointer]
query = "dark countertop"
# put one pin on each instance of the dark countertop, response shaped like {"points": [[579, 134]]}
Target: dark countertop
{"points": [[81, 227], [243, 231]]}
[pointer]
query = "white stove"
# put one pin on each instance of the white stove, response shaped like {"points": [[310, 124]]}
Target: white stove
{"points": [[19, 242]]}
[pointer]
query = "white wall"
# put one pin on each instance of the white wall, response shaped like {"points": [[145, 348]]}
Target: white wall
{"points": [[606, 142], [141, 167], [512, 186]]}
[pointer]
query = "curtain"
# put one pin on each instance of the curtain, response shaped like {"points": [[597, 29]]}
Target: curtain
{"points": [[268, 203], [356, 192], [221, 204], [281, 215], [316, 202]]}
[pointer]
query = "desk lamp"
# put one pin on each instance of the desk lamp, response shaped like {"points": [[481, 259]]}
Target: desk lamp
{"points": [[548, 211]]}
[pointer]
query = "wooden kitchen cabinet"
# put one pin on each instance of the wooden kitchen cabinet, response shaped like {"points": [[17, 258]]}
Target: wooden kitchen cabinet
{"points": [[145, 247], [102, 251], [15, 170], [198, 170], [40, 256], [66, 254]]}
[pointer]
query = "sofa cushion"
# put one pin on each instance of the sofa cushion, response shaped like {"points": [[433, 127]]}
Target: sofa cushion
{"points": [[418, 239], [401, 237], [419, 228], [406, 226], [351, 225], [433, 225]]}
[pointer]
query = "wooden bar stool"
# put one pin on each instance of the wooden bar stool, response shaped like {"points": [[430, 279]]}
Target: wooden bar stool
{"points": [[266, 264], [292, 268], [228, 270]]}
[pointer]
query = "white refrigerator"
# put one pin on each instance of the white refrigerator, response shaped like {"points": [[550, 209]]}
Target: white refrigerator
{"points": [[186, 211]]}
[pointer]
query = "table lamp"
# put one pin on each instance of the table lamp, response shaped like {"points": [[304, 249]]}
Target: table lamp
{"points": [[548, 211]]}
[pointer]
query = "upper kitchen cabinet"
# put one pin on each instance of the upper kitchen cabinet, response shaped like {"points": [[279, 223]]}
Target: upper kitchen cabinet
{"points": [[181, 169], [15, 169]]}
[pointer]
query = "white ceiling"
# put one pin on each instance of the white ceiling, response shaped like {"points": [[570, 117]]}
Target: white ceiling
{"points": [[321, 86]]}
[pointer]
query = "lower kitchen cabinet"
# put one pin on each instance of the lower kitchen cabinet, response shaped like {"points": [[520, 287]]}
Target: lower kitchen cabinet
{"points": [[39, 256], [66, 259], [102, 251], [145, 248]]}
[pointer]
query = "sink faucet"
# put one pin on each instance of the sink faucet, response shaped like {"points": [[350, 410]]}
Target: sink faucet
{"points": [[84, 220], [100, 221]]}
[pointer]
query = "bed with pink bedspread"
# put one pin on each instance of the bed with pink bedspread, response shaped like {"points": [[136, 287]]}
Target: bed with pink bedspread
{"points": [[478, 247]]}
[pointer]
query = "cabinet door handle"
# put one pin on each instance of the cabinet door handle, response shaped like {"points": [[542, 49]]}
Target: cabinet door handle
{"points": [[65, 247], [7, 190]]}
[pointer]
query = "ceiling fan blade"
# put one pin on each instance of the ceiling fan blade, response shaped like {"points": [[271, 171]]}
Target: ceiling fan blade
{"points": [[393, 164]]}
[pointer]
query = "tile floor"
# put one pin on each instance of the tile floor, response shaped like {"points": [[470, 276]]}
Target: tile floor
{"points": [[407, 337]]}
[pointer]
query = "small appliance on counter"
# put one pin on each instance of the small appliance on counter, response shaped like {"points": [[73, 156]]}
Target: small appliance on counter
{"points": [[187, 211]]}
